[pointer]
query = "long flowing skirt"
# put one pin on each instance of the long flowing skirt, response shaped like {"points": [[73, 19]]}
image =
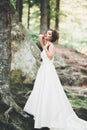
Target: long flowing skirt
{"points": [[49, 104]]}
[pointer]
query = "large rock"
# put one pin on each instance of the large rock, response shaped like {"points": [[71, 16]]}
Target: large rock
{"points": [[71, 67], [25, 54]]}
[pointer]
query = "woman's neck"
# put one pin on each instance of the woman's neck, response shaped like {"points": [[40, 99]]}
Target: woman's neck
{"points": [[46, 42]]}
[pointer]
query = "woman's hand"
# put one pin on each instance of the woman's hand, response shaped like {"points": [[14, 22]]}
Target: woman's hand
{"points": [[41, 40], [46, 47], [41, 36]]}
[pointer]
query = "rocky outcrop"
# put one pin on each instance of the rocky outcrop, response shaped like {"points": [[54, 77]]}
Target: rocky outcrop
{"points": [[71, 67], [25, 54]]}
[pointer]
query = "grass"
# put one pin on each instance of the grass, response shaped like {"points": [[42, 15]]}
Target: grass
{"points": [[77, 101]]}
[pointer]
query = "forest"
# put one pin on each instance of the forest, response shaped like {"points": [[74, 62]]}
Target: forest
{"points": [[21, 22]]}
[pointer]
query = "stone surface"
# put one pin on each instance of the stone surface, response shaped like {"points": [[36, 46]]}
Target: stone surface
{"points": [[71, 67], [25, 54]]}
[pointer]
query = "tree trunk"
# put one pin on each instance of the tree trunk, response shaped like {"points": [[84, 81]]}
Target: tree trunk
{"points": [[48, 16], [12, 116], [19, 8], [44, 12], [57, 14], [5, 44], [28, 20]]}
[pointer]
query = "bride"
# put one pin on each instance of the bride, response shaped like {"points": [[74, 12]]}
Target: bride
{"points": [[48, 102]]}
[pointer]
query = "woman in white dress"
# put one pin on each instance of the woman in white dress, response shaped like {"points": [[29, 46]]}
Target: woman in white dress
{"points": [[48, 102]]}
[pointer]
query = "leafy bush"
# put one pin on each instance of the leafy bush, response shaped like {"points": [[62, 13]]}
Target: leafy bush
{"points": [[34, 37]]}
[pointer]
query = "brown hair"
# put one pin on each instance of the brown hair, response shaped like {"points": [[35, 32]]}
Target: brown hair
{"points": [[55, 35]]}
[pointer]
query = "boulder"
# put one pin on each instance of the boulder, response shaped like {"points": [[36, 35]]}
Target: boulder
{"points": [[25, 53]]}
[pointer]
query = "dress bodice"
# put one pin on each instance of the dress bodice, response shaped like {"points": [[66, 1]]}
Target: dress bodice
{"points": [[44, 57]]}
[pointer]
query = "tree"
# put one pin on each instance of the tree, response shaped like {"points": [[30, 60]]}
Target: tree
{"points": [[44, 15], [57, 13], [5, 44], [28, 14], [12, 116], [7, 104], [19, 8], [48, 15]]}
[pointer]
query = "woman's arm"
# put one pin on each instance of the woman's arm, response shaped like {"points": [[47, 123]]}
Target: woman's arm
{"points": [[50, 50], [41, 40]]}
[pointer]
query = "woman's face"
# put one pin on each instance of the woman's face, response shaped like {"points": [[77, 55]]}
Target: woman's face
{"points": [[48, 35]]}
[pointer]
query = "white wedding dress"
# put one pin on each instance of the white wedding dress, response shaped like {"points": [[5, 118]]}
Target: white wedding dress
{"points": [[48, 102]]}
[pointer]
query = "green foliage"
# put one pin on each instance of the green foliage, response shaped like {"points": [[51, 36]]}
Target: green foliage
{"points": [[13, 2], [37, 2], [35, 14], [77, 100], [32, 2], [34, 37]]}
